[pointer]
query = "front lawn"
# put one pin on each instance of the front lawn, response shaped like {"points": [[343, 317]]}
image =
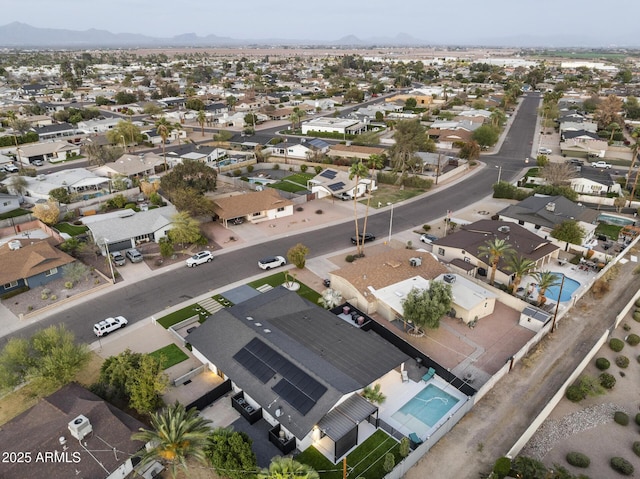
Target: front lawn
{"points": [[293, 183], [71, 230], [279, 278], [391, 194], [14, 213], [611, 231], [180, 315], [170, 355], [365, 461]]}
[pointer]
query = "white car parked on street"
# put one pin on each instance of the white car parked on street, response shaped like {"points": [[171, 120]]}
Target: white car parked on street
{"points": [[108, 325], [200, 258]]}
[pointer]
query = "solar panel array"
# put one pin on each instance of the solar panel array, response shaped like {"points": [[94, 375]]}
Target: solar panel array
{"points": [[331, 174], [336, 186], [296, 387]]}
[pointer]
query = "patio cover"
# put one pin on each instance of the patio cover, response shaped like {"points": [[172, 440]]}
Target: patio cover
{"points": [[90, 182], [338, 422]]}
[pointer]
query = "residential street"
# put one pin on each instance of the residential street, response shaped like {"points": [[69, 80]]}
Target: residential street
{"points": [[499, 419]]}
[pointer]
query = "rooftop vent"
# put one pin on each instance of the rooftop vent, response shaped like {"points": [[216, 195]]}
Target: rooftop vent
{"points": [[504, 229], [551, 206], [80, 427], [449, 278], [14, 245], [415, 261]]}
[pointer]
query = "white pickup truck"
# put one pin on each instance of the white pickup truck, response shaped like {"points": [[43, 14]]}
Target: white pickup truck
{"points": [[601, 164]]}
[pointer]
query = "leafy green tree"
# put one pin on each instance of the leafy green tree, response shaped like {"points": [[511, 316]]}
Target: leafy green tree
{"points": [[569, 231], [410, 103], [75, 271], [230, 454], [166, 247], [486, 135], [354, 95], [176, 435], [190, 201], [520, 267], [124, 98], [494, 250], [287, 468], [190, 174], [470, 150], [297, 255], [195, 104], [410, 137], [125, 132], [424, 308], [545, 280], [152, 109], [61, 195], [49, 358], [184, 229], [551, 190]]}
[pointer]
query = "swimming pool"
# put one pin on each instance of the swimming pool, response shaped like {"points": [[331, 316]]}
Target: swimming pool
{"points": [[570, 286], [616, 220], [425, 409]]}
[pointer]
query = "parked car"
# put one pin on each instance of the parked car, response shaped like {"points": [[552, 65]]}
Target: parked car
{"points": [[134, 255], [575, 161], [601, 164], [363, 238], [108, 325], [236, 221], [11, 168], [200, 258], [545, 151], [118, 259], [427, 238], [37, 162], [272, 262]]}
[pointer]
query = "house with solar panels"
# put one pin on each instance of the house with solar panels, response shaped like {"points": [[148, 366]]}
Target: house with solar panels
{"points": [[299, 367], [336, 183]]}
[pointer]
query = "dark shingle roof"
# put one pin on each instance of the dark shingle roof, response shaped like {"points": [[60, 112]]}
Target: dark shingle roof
{"points": [[535, 210]]}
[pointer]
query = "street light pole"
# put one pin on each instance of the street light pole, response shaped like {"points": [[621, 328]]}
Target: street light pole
{"points": [[499, 172], [390, 222], [555, 315], [106, 245]]}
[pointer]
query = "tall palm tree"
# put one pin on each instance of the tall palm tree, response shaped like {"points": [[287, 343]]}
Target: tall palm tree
{"points": [[176, 435], [520, 266], [287, 468], [494, 250], [545, 279], [357, 171], [635, 149], [374, 162], [163, 127], [202, 118], [177, 127]]}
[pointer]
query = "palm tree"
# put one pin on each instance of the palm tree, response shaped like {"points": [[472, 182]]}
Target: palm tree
{"points": [[635, 150], [163, 127], [357, 171], [374, 162], [294, 118], [177, 127], [520, 266], [545, 279], [287, 468], [176, 435], [494, 250], [202, 118]]}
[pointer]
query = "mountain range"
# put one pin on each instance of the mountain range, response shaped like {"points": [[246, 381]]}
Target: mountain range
{"points": [[22, 35]]}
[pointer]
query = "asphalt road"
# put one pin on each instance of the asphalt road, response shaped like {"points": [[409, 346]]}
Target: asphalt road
{"points": [[142, 299]]}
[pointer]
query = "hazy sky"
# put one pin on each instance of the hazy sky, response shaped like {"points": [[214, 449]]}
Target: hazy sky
{"points": [[432, 21]]}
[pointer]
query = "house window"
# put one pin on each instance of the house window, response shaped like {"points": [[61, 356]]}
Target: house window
{"points": [[441, 251], [10, 285], [51, 272], [6, 203], [280, 209], [257, 214], [521, 223]]}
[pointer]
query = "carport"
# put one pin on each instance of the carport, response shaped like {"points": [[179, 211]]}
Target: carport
{"points": [[342, 422]]}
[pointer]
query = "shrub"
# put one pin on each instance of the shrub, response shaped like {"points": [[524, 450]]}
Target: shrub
{"points": [[44, 296], [68, 284], [636, 315], [350, 258], [638, 419], [502, 467], [621, 465], [602, 364], [633, 339], [636, 448], [389, 462], [237, 172], [427, 228], [578, 459], [622, 361], [621, 418], [249, 168], [299, 208], [318, 212], [304, 168], [53, 297], [637, 303], [616, 344], [607, 380], [276, 166], [318, 169], [575, 394]]}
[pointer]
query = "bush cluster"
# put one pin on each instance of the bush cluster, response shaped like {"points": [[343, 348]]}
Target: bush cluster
{"points": [[636, 315], [602, 364], [616, 344], [636, 447], [607, 380], [621, 418], [633, 339], [622, 361], [575, 394], [621, 465], [578, 459], [638, 419], [506, 190], [350, 258]]}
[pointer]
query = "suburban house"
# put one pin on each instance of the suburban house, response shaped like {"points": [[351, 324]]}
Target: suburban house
{"points": [[134, 166], [541, 214], [343, 126], [204, 154], [53, 151], [126, 229], [337, 183], [74, 180], [355, 151], [98, 126], [365, 281], [254, 206], [75, 434], [583, 148], [297, 151], [30, 263], [57, 131], [594, 181], [9, 203], [460, 248], [298, 366]]}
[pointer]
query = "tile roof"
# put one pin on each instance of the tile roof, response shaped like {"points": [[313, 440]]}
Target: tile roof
{"points": [[249, 203], [31, 259], [389, 268]]}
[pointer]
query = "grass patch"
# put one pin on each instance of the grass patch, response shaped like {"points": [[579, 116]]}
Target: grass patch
{"points": [[14, 213], [170, 355], [180, 315], [365, 461], [611, 231], [223, 301], [279, 278], [293, 183], [391, 194], [71, 230]]}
